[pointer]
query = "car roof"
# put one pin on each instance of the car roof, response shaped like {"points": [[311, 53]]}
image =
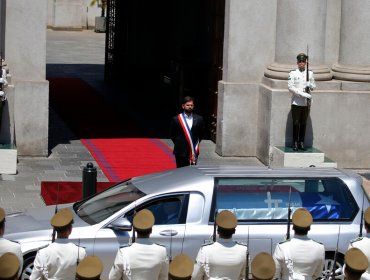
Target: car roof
{"points": [[199, 177]]}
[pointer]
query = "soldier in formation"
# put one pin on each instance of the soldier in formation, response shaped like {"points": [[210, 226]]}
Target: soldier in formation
{"points": [[225, 258], [363, 242], [299, 257], [7, 245], [59, 260], [142, 259], [181, 268], [90, 268]]}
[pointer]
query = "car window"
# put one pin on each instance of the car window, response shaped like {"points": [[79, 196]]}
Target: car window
{"points": [[108, 202], [166, 210], [269, 199]]}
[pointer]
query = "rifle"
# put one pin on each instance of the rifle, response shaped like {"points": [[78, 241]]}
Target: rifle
{"points": [[331, 275], [214, 227], [362, 216], [247, 256], [55, 211], [289, 213], [133, 238], [307, 89]]}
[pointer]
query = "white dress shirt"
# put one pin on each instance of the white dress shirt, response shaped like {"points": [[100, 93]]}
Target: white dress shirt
{"points": [[297, 84]]}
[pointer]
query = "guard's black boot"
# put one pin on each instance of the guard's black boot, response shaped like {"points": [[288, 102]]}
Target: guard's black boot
{"points": [[295, 146], [301, 146]]}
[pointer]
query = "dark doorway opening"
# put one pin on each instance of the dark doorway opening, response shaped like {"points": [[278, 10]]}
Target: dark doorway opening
{"points": [[161, 51]]}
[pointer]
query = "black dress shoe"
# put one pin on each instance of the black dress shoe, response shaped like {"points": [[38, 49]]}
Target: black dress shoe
{"points": [[301, 146], [295, 146]]}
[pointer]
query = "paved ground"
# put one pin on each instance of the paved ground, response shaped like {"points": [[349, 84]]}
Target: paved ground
{"points": [[76, 54], [72, 54]]}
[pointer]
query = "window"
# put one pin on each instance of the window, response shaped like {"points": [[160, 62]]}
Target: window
{"points": [[268, 200], [166, 210]]}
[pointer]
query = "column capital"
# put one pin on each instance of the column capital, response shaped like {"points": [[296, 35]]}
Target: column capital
{"points": [[281, 71]]}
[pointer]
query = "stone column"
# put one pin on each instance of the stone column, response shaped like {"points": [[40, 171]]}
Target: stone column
{"points": [[298, 24], [354, 51]]}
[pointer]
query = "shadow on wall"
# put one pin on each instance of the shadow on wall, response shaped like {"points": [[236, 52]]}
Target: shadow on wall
{"points": [[289, 132]]}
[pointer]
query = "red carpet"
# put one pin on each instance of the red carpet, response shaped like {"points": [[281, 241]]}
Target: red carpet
{"points": [[66, 192], [114, 139], [124, 158]]}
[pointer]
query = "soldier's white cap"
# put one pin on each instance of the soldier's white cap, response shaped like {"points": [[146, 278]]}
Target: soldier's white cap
{"points": [[62, 218], [9, 266], [2, 214], [181, 267], [302, 218], [263, 266], [226, 220], [367, 216], [89, 268], [143, 220], [356, 260]]}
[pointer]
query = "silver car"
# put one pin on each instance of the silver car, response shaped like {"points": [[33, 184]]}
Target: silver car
{"points": [[185, 200]]}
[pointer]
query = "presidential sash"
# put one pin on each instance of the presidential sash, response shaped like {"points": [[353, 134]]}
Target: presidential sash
{"points": [[193, 147]]}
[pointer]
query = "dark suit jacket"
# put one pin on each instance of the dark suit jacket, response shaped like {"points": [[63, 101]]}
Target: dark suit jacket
{"points": [[178, 136]]}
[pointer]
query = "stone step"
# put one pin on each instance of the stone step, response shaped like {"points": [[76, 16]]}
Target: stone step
{"points": [[285, 156], [8, 159]]}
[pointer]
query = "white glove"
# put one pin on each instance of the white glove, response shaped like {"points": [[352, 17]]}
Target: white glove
{"points": [[1, 93], [306, 95], [2, 80]]}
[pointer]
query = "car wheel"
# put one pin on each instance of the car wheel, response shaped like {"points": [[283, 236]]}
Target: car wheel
{"points": [[27, 267], [328, 266]]}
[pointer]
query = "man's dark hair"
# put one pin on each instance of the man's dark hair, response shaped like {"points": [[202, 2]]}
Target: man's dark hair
{"points": [[301, 231], [143, 232], [354, 274], [63, 229], [226, 233], [187, 99], [2, 223]]}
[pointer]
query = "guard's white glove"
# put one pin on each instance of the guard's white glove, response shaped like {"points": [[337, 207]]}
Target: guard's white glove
{"points": [[1, 93], [306, 95], [2, 81]]}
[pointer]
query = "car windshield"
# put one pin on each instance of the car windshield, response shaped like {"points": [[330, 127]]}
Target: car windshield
{"points": [[108, 202]]}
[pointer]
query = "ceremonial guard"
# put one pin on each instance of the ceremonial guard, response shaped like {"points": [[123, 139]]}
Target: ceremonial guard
{"points": [[263, 267], [355, 264], [299, 258], [90, 268], [181, 268], [3, 83], [142, 259], [363, 242], [9, 267], [300, 85], [224, 258], [7, 245], [59, 260]]}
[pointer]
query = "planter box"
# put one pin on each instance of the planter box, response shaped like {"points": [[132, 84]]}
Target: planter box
{"points": [[100, 24], [8, 159]]}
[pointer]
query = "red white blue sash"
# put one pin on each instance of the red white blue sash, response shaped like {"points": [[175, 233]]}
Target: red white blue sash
{"points": [[193, 147]]}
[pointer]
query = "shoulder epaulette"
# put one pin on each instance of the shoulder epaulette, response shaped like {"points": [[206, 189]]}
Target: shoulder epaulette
{"points": [[281, 242], [318, 242], [241, 243], [207, 243], [357, 239], [160, 245], [14, 241], [125, 245]]}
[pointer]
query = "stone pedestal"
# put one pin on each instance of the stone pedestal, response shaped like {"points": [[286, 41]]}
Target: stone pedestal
{"points": [[8, 159], [285, 156]]}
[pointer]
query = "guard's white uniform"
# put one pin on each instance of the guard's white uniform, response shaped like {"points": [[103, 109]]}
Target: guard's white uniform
{"points": [[12, 247], [223, 259], [140, 260], [300, 258], [58, 261], [363, 243], [297, 84]]}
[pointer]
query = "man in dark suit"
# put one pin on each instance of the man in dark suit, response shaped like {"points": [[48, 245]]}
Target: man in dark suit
{"points": [[186, 132]]}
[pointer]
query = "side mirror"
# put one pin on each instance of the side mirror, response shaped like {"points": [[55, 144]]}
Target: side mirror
{"points": [[122, 224]]}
